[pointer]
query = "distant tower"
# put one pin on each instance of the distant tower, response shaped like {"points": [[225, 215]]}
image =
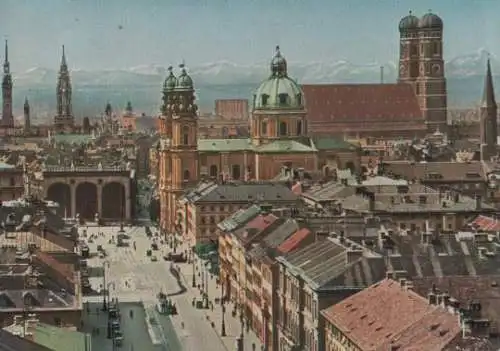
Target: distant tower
{"points": [[431, 82], [129, 111], [108, 110], [408, 52], [64, 118], [7, 116], [488, 113], [27, 119]]}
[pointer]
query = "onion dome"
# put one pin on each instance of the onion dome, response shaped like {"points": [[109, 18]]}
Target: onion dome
{"points": [[408, 23], [184, 82], [430, 21], [279, 91], [170, 81]]}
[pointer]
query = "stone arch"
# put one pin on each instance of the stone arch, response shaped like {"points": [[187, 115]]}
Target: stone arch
{"points": [[86, 200], [61, 193], [113, 201]]}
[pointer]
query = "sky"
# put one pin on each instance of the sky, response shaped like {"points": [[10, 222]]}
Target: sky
{"points": [[119, 34]]}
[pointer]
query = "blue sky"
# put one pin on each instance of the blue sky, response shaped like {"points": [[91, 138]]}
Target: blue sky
{"points": [[242, 31]]}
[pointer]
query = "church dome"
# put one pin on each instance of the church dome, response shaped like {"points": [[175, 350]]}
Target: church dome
{"points": [[184, 82], [278, 91], [170, 81], [408, 23], [430, 21]]}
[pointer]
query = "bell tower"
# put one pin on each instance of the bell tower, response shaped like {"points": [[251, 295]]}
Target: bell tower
{"points": [[7, 116], [408, 51], [179, 146], [488, 114], [27, 118], [431, 82]]}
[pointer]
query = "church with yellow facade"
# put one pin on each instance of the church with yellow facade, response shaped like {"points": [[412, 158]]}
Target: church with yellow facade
{"points": [[278, 138]]}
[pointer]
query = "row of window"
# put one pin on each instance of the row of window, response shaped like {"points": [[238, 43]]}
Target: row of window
{"points": [[282, 130], [283, 99]]}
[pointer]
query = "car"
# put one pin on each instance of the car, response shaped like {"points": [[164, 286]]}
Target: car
{"points": [[154, 259]]}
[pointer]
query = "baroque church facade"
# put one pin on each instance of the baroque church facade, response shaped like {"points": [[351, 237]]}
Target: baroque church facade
{"points": [[279, 141]]}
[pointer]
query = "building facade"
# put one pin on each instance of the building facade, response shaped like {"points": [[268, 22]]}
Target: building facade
{"points": [[421, 64], [11, 182], [279, 137]]}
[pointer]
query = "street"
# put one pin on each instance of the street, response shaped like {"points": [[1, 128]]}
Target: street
{"points": [[133, 277]]}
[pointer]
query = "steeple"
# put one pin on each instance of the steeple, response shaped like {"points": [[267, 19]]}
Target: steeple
{"points": [[129, 108], [7, 116], [6, 64], [108, 111], [27, 119], [64, 65], [489, 91], [64, 118], [488, 115]]}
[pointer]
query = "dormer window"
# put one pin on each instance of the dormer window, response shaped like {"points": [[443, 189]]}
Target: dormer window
{"points": [[283, 129], [265, 99], [283, 98], [299, 99]]}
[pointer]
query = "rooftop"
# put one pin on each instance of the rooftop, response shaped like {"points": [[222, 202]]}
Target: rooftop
{"points": [[240, 192], [377, 326]]}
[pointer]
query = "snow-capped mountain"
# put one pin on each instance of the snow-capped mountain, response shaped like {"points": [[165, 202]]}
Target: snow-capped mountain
{"points": [[224, 73]]}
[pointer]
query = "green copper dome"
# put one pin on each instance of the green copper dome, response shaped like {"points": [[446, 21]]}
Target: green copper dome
{"points": [[184, 82], [408, 23], [279, 91], [170, 81]]}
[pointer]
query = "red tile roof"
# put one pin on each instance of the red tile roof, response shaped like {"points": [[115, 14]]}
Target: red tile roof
{"points": [[486, 224], [58, 267], [297, 188], [362, 102], [261, 221], [294, 240], [386, 312]]}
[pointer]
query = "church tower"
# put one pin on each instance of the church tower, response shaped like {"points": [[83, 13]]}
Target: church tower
{"points": [[64, 119], [27, 118], [408, 51], [7, 116], [179, 152], [431, 82], [488, 115]]}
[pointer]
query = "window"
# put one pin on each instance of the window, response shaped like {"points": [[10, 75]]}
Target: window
{"points": [[212, 220], [185, 135], [236, 172], [283, 98], [263, 128], [202, 220], [299, 99], [12, 181], [283, 129], [265, 99], [299, 127], [186, 175], [213, 171]]}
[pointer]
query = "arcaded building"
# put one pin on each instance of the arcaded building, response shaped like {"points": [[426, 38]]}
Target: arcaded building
{"points": [[278, 138]]}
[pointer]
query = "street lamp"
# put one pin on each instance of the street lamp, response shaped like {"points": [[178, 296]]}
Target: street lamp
{"points": [[223, 323], [104, 286], [194, 272]]}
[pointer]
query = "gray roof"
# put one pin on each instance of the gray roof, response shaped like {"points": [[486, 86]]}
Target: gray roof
{"points": [[277, 236], [241, 192], [239, 218], [317, 263], [11, 342]]}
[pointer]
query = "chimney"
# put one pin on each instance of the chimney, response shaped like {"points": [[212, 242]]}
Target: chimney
{"points": [[479, 201], [432, 298], [445, 299]]}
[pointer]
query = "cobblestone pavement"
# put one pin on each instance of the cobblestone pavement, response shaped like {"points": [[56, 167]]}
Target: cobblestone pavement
{"points": [[233, 324], [132, 277]]}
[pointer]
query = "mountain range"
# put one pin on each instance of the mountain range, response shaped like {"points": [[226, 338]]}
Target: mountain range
{"points": [[223, 79]]}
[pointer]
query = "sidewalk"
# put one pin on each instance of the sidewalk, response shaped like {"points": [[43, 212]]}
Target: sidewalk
{"points": [[233, 324]]}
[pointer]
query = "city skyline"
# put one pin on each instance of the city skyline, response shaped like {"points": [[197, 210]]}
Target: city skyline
{"points": [[123, 34]]}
